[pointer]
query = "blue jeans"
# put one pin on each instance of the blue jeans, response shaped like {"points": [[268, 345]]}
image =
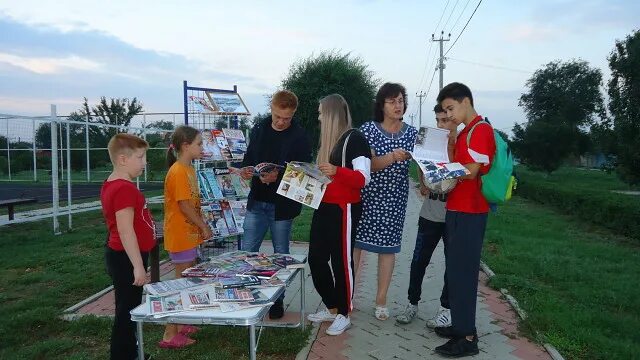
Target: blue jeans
{"points": [[258, 220]]}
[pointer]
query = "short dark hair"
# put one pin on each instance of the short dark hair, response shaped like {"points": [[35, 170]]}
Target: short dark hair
{"points": [[438, 108], [388, 91], [456, 91]]}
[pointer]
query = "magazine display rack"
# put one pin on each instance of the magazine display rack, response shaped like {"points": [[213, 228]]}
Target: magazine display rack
{"points": [[216, 113]]}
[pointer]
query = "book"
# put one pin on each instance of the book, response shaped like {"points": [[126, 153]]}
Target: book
{"points": [[200, 105], [304, 183], [430, 153], [222, 143], [240, 185], [210, 148], [239, 210], [212, 215], [209, 183], [286, 261], [219, 294], [223, 177], [227, 214], [237, 281], [237, 142], [172, 286]]}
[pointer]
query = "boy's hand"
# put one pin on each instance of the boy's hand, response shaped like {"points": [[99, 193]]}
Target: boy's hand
{"points": [[139, 276], [424, 190], [328, 169], [269, 177]]}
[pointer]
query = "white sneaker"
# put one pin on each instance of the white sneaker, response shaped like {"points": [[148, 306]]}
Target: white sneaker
{"points": [[321, 316], [408, 315], [442, 318], [340, 324]]}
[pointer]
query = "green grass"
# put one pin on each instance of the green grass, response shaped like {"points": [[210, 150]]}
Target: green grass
{"points": [[42, 274], [578, 283]]}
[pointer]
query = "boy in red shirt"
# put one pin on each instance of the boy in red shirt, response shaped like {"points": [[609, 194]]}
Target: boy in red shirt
{"points": [[131, 237], [465, 220]]}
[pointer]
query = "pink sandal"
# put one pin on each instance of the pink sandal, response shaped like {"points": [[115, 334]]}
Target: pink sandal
{"points": [[189, 329], [176, 342]]}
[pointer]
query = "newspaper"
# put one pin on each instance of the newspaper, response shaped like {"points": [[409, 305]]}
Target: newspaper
{"points": [[172, 286], [304, 183], [431, 155]]}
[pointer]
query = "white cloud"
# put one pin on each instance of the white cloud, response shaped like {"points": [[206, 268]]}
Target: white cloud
{"points": [[49, 65]]}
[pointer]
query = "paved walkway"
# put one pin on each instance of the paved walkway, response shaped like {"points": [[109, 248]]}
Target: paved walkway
{"points": [[370, 338]]}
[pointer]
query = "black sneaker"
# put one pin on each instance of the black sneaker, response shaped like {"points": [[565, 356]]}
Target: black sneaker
{"points": [[459, 347], [276, 311], [444, 331]]}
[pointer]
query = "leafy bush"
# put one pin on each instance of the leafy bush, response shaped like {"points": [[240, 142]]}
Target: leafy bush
{"points": [[594, 204]]}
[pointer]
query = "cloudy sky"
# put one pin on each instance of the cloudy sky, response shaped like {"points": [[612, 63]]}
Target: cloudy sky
{"points": [[57, 52]]}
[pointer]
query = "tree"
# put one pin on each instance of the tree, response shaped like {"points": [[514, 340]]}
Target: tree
{"points": [[328, 73], [540, 145], [624, 105], [566, 97]]}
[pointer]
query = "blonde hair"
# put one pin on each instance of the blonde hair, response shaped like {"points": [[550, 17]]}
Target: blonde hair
{"points": [[284, 99], [124, 144], [335, 120]]}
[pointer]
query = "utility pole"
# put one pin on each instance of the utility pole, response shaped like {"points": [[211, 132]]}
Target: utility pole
{"points": [[412, 116], [421, 95], [441, 65]]}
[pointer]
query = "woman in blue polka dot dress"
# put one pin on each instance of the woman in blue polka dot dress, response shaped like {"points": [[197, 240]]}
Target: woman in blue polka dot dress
{"points": [[384, 199]]}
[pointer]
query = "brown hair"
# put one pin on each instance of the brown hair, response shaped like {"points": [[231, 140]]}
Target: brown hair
{"points": [[124, 144], [336, 119], [285, 99], [388, 91], [182, 134]]}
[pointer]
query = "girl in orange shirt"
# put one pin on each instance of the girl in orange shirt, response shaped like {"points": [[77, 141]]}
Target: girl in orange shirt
{"points": [[184, 228]]}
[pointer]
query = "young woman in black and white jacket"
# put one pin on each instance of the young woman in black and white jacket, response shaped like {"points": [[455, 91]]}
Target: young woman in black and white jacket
{"points": [[344, 156]]}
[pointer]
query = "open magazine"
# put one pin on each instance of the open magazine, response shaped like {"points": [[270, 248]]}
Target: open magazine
{"points": [[430, 153], [304, 183], [175, 285]]}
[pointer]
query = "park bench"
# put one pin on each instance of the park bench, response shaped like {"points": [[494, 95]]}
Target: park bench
{"points": [[11, 203]]}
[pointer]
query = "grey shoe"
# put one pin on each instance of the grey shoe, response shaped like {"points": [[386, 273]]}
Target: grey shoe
{"points": [[408, 315]]}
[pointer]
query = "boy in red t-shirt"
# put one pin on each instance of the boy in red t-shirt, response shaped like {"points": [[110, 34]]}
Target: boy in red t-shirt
{"points": [[131, 237], [465, 221]]}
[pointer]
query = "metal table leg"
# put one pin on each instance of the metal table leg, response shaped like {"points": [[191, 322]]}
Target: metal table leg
{"points": [[252, 342], [140, 340], [302, 300]]}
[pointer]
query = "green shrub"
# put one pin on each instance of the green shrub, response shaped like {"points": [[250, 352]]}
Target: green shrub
{"points": [[599, 206]]}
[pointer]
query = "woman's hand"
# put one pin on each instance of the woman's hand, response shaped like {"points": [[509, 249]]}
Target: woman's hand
{"points": [[400, 155], [328, 169]]}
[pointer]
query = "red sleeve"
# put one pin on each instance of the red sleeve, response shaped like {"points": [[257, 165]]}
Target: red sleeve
{"points": [[350, 178], [480, 149], [124, 197]]}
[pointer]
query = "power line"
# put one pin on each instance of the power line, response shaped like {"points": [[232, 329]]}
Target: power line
{"points": [[492, 66], [451, 14], [465, 26], [459, 16], [441, 15]]}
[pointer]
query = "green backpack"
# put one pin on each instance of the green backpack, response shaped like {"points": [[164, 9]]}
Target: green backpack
{"points": [[499, 183]]}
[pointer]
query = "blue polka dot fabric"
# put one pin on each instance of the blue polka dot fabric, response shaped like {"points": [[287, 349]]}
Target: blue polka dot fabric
{"points": [[384, 199]]}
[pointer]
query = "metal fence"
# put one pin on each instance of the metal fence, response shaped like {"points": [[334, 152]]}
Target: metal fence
{"points": [[59, 154]]}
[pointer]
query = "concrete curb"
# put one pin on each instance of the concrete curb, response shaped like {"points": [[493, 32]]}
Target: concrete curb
{"points": [[551, 350]]}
